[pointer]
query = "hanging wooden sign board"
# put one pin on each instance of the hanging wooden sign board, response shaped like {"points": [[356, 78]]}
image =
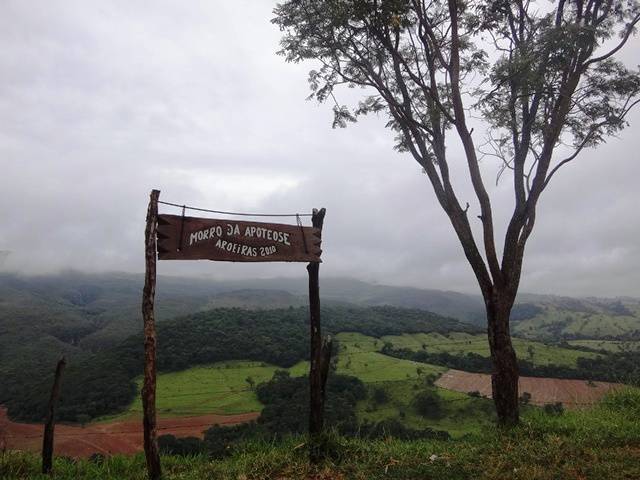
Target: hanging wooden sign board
{"points": [[178, 237], [192, 238]]}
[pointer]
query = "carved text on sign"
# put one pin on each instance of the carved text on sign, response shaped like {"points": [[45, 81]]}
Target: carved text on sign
{"points": [[192, 238]]}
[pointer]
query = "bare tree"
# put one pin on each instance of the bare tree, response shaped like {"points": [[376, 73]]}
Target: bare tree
{"points": [[541, 76]]}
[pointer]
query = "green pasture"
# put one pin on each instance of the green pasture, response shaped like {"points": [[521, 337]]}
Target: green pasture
{"points": [[358, 356], [458, 343], [402, 380], [220, 388], [223, 387], [608, 345], [229, 387], [457, 413], [554, 322]]}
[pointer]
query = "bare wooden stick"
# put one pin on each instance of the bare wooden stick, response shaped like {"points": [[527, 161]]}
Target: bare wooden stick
{"points": [[320, 353], [149, 388], [50, 424]]}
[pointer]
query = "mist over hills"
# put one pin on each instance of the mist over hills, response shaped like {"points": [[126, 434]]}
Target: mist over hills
{"points": [[88, 308], [94, 311]]}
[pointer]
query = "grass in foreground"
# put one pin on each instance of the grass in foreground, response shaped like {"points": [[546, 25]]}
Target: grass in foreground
{"points": [[601, 443]]}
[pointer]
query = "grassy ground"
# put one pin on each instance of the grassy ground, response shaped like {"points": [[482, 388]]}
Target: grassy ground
{"points": [[593, 325], [358, 357], [458, 413], [220, 388], [608, 345], [597, 444], [459, 343], [223, 388], [402, 380]]}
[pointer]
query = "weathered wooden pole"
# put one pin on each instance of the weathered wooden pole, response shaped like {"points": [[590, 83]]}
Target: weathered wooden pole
{"points": [[50, 424], [149, 387], [320, 353]]}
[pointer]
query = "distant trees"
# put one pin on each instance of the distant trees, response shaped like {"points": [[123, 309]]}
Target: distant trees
{"points": [[83, 419], [622, 367], [103, 383]]}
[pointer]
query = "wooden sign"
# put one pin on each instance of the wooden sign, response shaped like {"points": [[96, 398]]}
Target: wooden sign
{"points": [[192, 238]]}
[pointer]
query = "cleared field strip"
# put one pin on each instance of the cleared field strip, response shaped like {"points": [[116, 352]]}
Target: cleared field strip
{"points": [[572, 393], [608, 345], [459, 343], [358, 357]]}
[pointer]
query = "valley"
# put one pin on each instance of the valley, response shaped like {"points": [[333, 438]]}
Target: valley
{"points": [[418, 371]]}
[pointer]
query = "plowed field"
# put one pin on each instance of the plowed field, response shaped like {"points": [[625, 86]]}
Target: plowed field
{"points": [[572, 393], [107, 438]]}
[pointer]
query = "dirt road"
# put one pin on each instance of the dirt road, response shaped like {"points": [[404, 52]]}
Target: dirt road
{"points": [[107, 438]]}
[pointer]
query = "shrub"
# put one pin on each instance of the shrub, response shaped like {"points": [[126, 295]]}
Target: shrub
{"points": [[221, 441], [169, 444], [525, 398], [428, 404], [554, 408], [379, 396]]}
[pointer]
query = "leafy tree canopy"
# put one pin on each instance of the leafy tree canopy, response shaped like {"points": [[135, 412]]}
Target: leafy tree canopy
{"points": [[540, 75]]}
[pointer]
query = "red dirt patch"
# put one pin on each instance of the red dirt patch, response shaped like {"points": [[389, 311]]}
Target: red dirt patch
{"points": [[572, 393], [107, 438]]}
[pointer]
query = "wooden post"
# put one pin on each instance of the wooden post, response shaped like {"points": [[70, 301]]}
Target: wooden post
{"points": [[320, 354], [149, 387], [47, 440]]}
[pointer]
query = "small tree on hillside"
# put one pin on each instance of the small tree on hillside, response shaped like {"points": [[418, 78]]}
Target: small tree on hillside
{"points": [[539, 75], [428, 404], [251, 382]]}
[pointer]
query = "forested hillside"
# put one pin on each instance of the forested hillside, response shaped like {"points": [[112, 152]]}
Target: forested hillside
{"points": [[93, 311], [101, 383], [95, 321]]}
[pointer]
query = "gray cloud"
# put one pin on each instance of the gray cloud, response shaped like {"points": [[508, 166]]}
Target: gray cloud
{"points": [[101, 103]]}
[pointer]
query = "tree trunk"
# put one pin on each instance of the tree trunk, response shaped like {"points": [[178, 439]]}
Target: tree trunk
{"points": [[504, 379]]}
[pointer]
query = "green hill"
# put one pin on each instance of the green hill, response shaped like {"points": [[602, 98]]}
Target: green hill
{"points": [[95, 321], [588, 319], [100, 383], [96, 311]]}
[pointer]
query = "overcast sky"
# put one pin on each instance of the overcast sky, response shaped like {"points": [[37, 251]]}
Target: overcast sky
{"points": [[102, 101]]}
